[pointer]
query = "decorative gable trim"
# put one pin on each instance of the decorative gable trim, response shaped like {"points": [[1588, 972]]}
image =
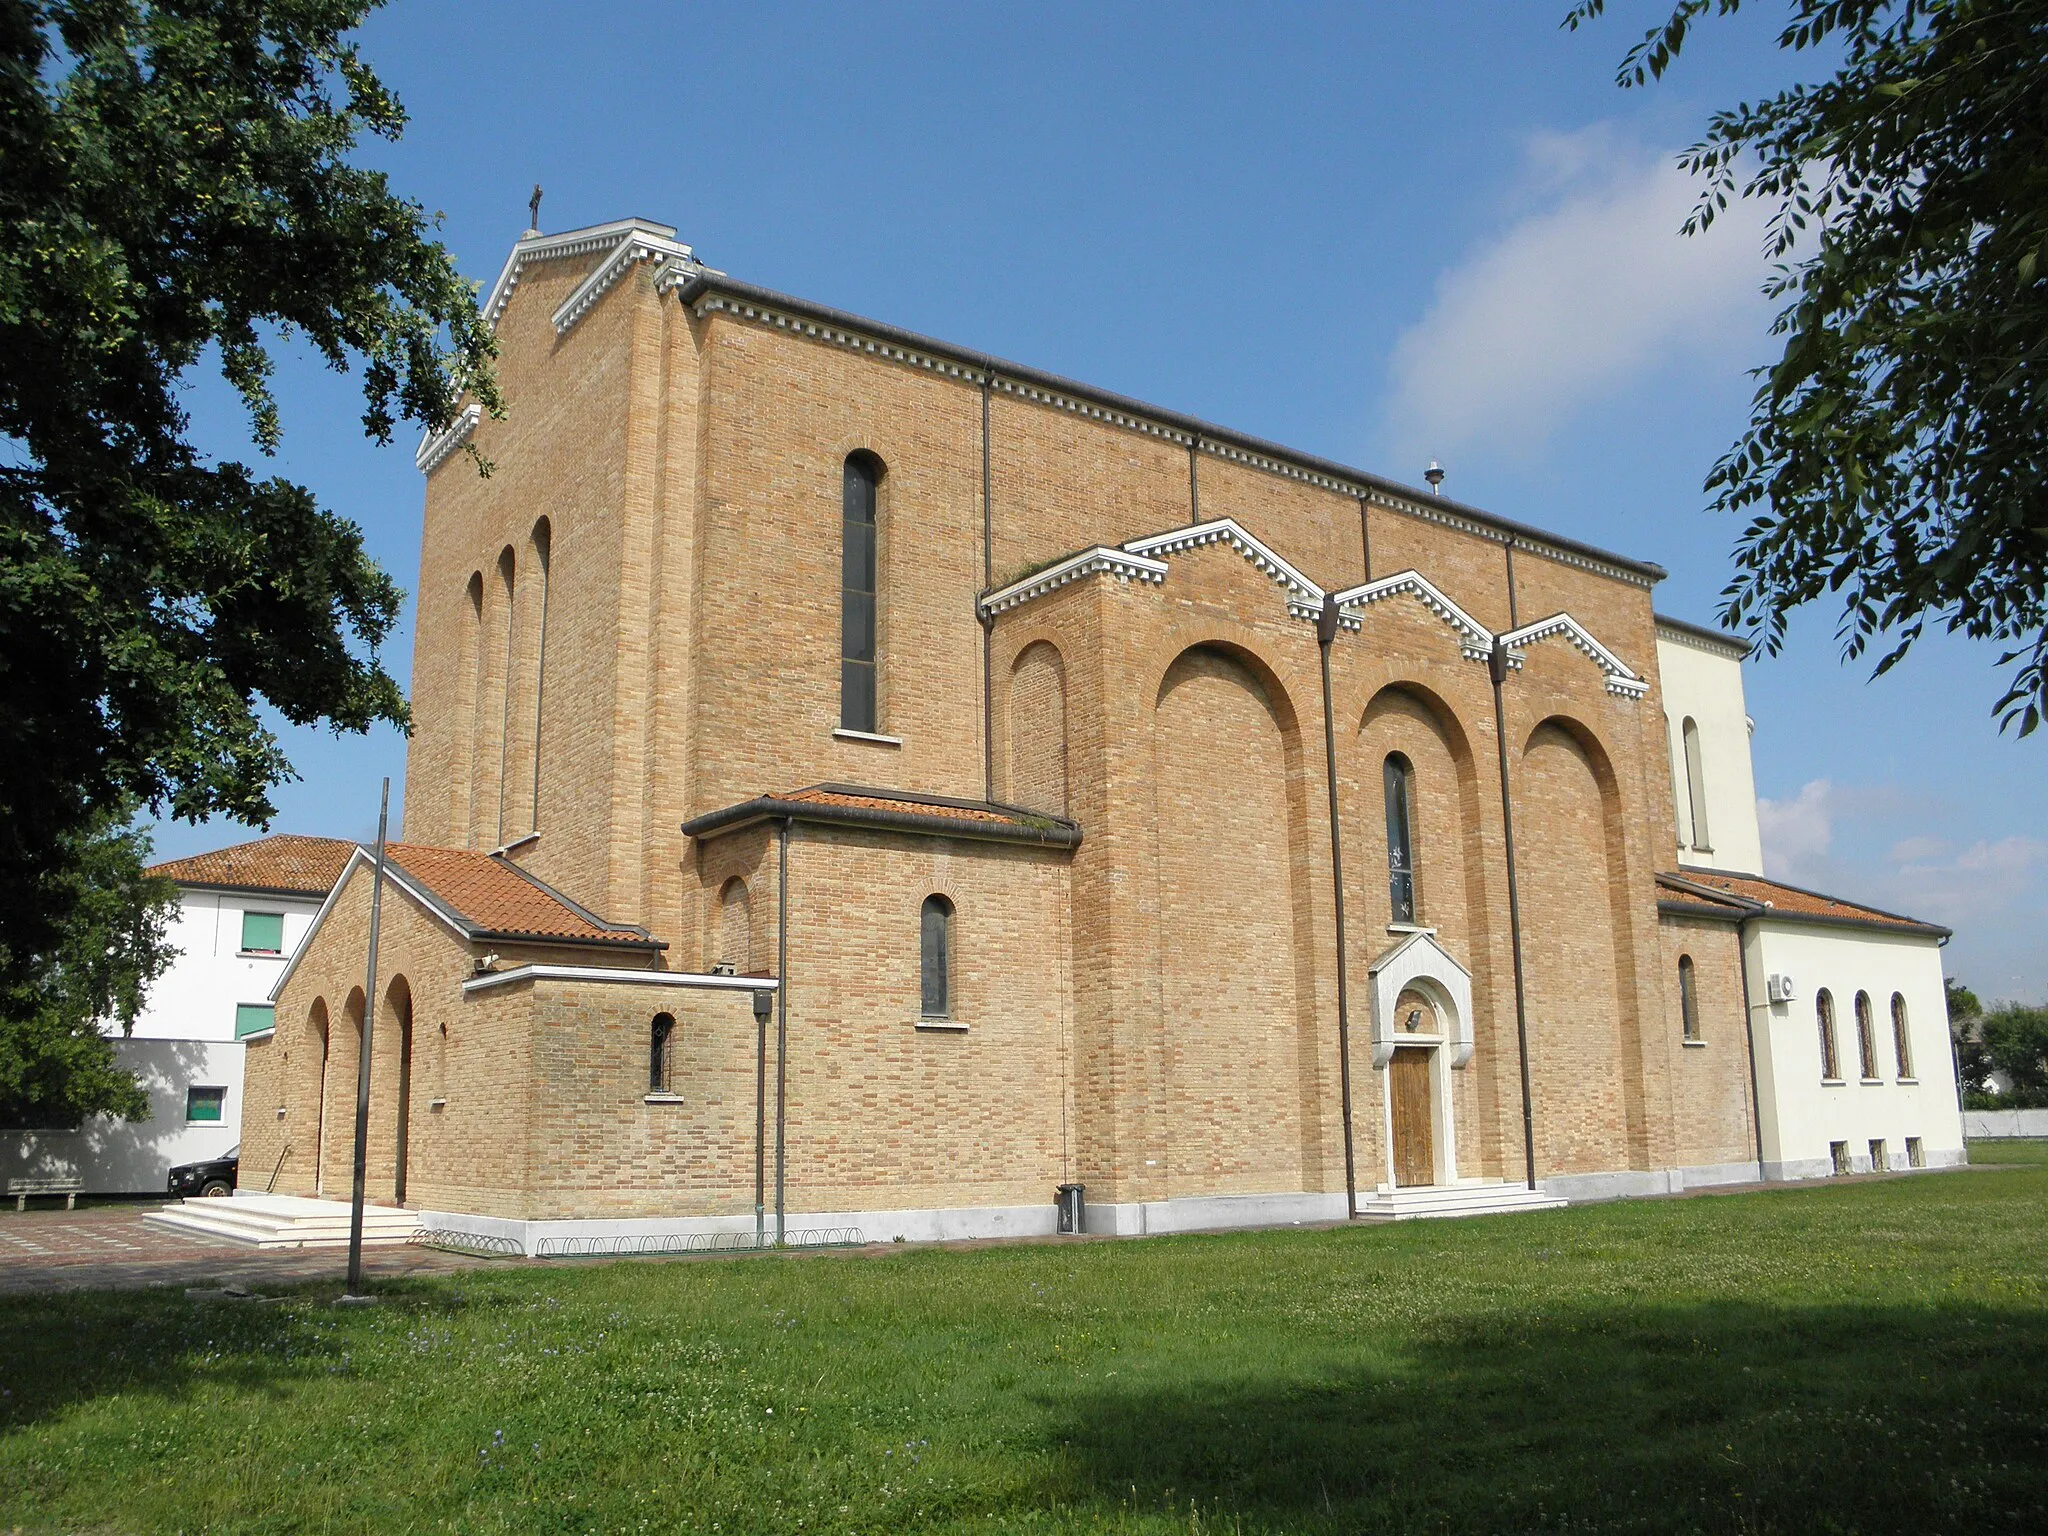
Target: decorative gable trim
{"points": [[573, 242], [1475, 640], [714, 303], [1100, 561], [435, 448], [1304, 597], [1419, 961], [636, 247], [1621, 680]]}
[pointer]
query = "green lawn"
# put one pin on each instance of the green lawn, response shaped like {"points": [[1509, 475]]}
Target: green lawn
{"points": [[1855, 1357]]}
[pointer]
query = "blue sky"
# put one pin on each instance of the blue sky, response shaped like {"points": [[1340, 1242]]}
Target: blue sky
{"points": [[1380, 233]]}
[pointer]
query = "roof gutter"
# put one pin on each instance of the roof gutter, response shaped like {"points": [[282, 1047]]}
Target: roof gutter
{"points": [[1208, 433]]}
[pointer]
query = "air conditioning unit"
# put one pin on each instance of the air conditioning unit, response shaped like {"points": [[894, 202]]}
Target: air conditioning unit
{"points": [[1778, 988]]}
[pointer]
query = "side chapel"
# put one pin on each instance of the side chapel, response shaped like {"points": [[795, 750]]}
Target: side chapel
{"points": [[859, 782]]}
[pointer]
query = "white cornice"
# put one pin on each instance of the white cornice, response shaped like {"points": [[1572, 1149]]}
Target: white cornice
{"points": [[1101, 561], [746, 309], [1621, 680], [620, 975], [435, 448], [635, 247], [1304, 597], [1475, 640], [1679, 633], [571, 242]]}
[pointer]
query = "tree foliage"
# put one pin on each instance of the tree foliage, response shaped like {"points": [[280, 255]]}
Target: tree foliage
{"points": [[56, 1064], [176, 194], [1896, 451], [2016, 1041]]}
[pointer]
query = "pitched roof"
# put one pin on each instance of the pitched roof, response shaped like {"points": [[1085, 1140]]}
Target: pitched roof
{"points": [[490, 897], [1774, 898], [284, 863], [854, 805]]}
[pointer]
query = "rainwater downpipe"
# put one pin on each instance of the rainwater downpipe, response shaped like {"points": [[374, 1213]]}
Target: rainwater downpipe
{"points": [[988, 620], [1194, 482], [1497, 669], [781, 1023], [1756, 1105], [1326, 632]]}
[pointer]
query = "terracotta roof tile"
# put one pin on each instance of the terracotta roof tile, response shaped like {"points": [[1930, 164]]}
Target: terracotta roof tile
{"points": [[1791, 901], [498, 899], [306, 866], [825, 795]]}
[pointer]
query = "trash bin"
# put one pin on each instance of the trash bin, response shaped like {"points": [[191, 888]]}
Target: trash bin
{"points": [[1073, 1208]]}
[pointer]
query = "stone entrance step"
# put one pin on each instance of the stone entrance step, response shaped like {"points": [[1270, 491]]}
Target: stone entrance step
{"points": [[1470, 1199], [284, 1221]]}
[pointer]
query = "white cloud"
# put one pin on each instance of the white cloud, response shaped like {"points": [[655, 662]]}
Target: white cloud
{"points": [[1590, 287], [1798, 833]]}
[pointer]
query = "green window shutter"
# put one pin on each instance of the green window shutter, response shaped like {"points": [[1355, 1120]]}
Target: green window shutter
{"points": [[253, 1019], [203, 1105], [263, 932]]}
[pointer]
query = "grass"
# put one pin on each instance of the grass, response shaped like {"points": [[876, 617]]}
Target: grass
{"points": [[1869, 1356]]}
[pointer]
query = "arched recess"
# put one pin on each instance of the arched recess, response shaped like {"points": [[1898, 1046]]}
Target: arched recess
{"points": [[1450, 851], [1240, 1102], [338, 1158], [530, 668], [396, 1019], [734, 942], [1037, 718], [315, 1052], [1585, 1042], [469, 692], [505, 705]]}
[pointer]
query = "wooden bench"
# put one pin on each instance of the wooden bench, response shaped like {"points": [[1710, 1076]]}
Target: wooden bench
{"points": [[21, 1189]]}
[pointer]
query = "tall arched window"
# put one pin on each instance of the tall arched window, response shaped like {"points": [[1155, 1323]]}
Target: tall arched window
{"points": [[543, 555], [1688, 998], [658, 1036], [1902, 1048], [1866, 1037], [508, 588], [1398, 779], [1824, 1013], [935, 958], [1695, 785], [857, 692]]}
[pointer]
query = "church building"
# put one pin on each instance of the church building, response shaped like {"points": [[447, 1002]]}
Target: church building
{"points": [[860, 783]]}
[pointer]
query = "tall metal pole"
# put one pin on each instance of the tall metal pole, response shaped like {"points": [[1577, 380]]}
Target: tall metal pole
{"points": [[781, 1026], [355, 1214], [1497, 667], [1326, 632]]}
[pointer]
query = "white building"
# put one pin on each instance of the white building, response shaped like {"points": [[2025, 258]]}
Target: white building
{"points": [[242, 912], [1847, 1012]]}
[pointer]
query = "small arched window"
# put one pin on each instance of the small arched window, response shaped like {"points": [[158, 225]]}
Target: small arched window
{"points": [[1695, 785], [857, 692], [1824, 1013], [1902, 1048], [1398, 780], [935, 958], [1688, 998], [1866, 1038], [659, 1034]]}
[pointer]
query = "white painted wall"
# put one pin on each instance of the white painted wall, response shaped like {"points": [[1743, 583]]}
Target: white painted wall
{"points": [[195, 999], [1802, 1114], [120, 1157], [1704, 682]]}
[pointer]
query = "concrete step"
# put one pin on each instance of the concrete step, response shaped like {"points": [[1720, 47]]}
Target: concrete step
{"points": [[284, 1221], [1438, 1201]]}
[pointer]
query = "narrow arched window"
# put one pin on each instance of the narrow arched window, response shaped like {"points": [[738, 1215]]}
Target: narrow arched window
{"points": [[1824, 1013], [857, 692], [735, 928], [543, 557], [659, 1034], [1398, 777], [1866, 1037], [935, 958], [1695, 785], [1902, 1048], [1688, 998]]}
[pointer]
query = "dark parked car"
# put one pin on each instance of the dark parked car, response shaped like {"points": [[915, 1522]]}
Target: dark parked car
{"points": [[210, 1178]]}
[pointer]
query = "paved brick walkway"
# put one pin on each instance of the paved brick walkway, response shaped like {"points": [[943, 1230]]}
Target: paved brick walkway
{"points": [[108, 1247]]}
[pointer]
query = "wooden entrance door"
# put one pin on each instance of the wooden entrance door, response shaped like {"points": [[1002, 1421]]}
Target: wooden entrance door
{"points": [[1414, 1138]]}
